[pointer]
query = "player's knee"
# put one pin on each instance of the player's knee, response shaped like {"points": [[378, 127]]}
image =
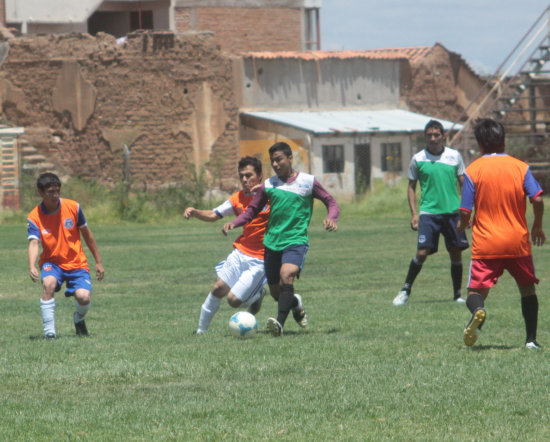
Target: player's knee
{"points": [[220, 289], [82, 296], [233, 301], [48, 284]]}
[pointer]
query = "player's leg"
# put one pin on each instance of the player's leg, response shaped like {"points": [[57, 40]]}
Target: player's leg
{"points": [[292, 261], [52, 279], [456, 242], [211, 305], [456, 273], [79, 285], [228, 272], [248, 291], [427, 243], [523, 271], [530, 312], [484, 273]]}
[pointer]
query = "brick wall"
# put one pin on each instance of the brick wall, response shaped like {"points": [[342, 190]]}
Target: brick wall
{"points": [[247, 29]]}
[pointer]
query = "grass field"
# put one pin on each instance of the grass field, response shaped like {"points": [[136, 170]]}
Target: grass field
{"points": [[363, 370]]}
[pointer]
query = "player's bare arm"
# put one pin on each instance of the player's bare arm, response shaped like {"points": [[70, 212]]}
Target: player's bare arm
{"points": [[92, 245], [411, 196], [537, 233], [203, 215], [34, 249], [464, 221]]}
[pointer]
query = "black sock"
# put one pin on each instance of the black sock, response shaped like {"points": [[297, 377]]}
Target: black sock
{"points": [[456, 276], [414, 270], [530, 310], [474, 301], [286, 301]]}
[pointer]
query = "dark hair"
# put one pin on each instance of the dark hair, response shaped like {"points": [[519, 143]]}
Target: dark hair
{"points": [[436, 125], [250, 161], [281, 146], [490, 135], [48, 179]]}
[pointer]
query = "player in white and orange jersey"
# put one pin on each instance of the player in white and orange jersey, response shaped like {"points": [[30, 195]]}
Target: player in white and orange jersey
{"points": [[241, 277]]}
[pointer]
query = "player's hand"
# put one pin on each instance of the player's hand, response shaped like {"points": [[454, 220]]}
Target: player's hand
{"points": [[189, 212], [330, 225], [227, 227], [414, 222], [537, 236], [99, 271], [34, 274]]}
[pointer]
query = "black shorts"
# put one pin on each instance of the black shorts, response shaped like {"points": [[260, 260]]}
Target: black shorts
{"points": [[273, 261], [430, 226]]}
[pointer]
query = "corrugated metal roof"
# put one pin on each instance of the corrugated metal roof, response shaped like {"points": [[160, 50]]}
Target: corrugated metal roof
{"points": [[352, 121]]}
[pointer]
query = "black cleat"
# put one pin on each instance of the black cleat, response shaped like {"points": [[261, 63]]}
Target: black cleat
{"points": [[81, 329], [532, 345], [50, 335]]}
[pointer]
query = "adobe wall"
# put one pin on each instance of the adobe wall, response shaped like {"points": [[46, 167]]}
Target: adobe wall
{"points": [[168, 97]]}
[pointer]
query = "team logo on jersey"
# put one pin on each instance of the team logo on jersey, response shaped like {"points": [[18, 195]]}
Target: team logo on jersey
{"points": [[421, 238], [47, 267], [68, 223]]}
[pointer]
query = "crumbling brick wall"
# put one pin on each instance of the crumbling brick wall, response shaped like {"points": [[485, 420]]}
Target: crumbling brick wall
{"points": [[168, 97]]}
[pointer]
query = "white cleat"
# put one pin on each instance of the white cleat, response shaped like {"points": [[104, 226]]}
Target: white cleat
{"points": [[401, 298]]}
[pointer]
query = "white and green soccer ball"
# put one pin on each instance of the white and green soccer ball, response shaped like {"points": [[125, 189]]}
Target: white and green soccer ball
{"points": [[243, 325]]}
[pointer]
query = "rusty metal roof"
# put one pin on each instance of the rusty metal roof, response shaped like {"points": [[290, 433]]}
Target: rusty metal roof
{"points": [[352, 121]]}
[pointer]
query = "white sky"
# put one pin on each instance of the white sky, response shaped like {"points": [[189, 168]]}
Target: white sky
{"points": [[484, 32]]}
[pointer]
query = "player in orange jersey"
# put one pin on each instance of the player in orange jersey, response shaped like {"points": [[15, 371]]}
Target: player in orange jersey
{"points": [[57, 223], [241, 277], [496, 187]]}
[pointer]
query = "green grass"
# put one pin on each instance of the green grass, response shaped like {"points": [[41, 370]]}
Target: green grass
{"points": [[363, 370]]}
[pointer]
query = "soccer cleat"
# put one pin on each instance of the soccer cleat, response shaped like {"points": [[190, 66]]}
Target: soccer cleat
{"points": [[459, 300], [50, 335], [80, 327], [299, 313], [401, 298], [471, 332], [531, 345], [199, 332], [255, 307], [274, 327]]}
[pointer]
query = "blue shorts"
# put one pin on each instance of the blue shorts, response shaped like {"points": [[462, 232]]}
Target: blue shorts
{"points": [[274, 260], [430, 226], [74, 279]]}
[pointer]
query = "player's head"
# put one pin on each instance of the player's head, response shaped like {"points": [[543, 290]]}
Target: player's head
{"points": [[49, 186], [47, 180], [250, 173], [280, 155], [434, 124], [489, 135], [433, 132]]}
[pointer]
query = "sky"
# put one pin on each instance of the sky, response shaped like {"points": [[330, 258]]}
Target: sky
{"points": [[483, 32]]}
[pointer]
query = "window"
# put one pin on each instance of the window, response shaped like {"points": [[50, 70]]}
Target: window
{"points": [[333, 159], [391, 157]]}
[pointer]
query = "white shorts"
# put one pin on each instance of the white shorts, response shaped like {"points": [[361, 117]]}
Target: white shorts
{"points": [[244, 274]]}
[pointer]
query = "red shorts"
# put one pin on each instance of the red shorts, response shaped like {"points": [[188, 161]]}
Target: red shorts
{"points": [[484, 273]]}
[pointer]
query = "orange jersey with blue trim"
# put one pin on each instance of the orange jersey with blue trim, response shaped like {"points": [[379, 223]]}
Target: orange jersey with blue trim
{"points": [[59, 234], [496, 187], [251, 242]]}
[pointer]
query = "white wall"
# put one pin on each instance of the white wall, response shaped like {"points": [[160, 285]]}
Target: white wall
{"points": [[329, 83], [50, 11]]}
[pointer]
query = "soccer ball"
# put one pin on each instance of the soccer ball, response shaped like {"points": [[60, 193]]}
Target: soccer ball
{"points": [[243, 325]]}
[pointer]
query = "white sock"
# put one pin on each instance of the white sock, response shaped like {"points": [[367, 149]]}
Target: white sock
{"points": [[208, 310], [81, 311], [48, 315]]}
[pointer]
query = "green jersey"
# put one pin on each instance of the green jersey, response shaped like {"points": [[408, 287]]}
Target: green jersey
{"points": [[437, 175]]}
